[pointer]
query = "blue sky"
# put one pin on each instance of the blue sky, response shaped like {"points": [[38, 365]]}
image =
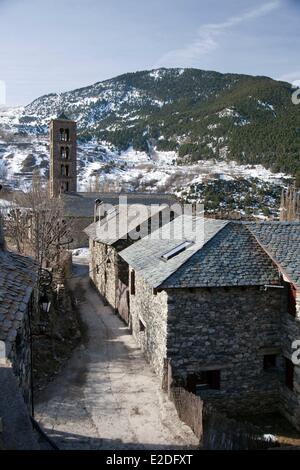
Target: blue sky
{"points": [[57, 45]]}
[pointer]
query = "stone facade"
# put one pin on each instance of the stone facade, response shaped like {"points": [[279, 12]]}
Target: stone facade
{"points": [[63, 166], [229, 330], [107, 268], [16, 431], [18, 280], [149, 318], [291, 332], [20, 354], [17, 349], [103, 273]]}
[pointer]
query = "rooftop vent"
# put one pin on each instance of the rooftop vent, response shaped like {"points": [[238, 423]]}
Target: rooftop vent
{"points": [[175, 251]]}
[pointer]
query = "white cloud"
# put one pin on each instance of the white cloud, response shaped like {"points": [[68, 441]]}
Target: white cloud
{"points": [[206, 39], [291, 77]]}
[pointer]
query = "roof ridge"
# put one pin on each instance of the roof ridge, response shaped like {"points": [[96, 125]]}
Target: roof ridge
{"points": [[275, 259]]}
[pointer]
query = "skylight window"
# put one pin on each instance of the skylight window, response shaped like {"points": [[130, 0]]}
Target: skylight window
{"points": [[111, 213], [175, 251]]}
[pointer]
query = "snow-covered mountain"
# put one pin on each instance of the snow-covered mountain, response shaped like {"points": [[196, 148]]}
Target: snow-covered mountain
{"points": [[163, 129]]}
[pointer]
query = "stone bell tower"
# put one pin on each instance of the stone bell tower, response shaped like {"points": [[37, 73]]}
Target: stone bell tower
{"points": [[63, 167]]}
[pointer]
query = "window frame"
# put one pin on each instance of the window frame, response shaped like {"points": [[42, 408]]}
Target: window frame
{"points": [[270, 362], [204, 379]]}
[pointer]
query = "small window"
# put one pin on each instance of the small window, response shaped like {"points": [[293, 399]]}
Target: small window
{"points": [[292, 300], [142, 326], [94, 243], [289, 374], [132, 283], [175, 251], [172, 215], [97, 269], [270, 361], [204, 380]]}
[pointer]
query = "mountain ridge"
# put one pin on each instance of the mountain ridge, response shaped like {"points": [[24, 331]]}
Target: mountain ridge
{"points": [[198, 114]]}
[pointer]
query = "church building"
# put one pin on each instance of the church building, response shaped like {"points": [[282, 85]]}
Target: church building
{"points": [[80, 206], [63, 156]]}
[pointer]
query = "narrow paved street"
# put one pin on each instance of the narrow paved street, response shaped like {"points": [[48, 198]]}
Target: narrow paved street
{"points": [[107, 397]]}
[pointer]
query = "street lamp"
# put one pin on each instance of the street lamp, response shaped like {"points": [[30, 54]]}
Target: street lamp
{"points": [[44, 303]]}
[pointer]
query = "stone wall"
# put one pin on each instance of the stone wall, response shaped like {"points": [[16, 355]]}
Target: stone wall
{"points": [[17, 432], [150, 311], [225, 329], [103, 274], [20, 354], [290, 399], [80, 238], [111, 268]]}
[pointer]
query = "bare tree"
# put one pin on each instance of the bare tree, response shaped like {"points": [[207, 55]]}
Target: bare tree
{"points": [[290, 204], [37, 224]]}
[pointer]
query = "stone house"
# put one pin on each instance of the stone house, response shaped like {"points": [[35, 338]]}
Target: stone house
{"points": [[79, 208], [18, 278], [115, 230], [218, 314]]}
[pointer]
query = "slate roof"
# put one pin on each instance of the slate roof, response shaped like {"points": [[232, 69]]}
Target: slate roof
{"points": [[145, 255], [18, 275], [281, 240], [228, 255], [82, 204], [119, 225]]}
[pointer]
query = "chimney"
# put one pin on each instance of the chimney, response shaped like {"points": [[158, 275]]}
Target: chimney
{"points": [[97, 203]]}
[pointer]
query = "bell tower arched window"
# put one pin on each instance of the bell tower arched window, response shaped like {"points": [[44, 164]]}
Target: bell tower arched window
{"points": [[63, 161]]}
